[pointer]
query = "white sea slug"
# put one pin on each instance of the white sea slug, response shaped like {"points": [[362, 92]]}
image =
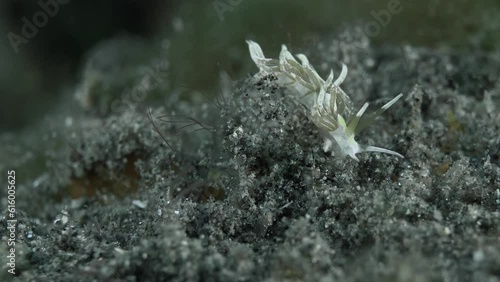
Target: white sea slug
{"points": [[330, 108]]}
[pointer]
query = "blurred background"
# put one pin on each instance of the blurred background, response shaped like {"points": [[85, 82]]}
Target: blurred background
{"points": [[52, 51]]}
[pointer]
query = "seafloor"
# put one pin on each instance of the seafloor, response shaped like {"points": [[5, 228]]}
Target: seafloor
{"points": [[238, 187]]}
